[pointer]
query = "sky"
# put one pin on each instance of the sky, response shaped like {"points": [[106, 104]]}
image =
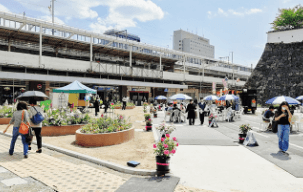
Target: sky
{"points": [[234, 27]]}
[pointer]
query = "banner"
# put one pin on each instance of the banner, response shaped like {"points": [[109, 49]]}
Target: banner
{"points": [[214, 87]]}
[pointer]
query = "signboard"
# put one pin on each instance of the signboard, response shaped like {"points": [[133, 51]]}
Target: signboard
{"points": [[214, 87]]}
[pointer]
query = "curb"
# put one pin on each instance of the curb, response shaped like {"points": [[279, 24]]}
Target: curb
{"points": [[113, 166]]}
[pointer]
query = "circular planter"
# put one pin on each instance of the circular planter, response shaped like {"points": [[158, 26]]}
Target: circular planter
{"points": [[162, 165], [104, 139], [242, 138], [60, 130], [4, 121], [127, 107]]}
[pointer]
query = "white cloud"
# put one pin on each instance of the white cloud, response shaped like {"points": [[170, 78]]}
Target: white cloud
{"points": [[124, 14], [230, 12], [3, 8], [121, 13], [49, 18]]}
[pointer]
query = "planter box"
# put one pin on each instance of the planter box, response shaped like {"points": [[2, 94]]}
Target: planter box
{"points": [[127, 107], [4, 121], [104, 139], [60, 130]]}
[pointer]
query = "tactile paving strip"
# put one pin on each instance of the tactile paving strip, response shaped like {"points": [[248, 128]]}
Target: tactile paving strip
{"points": [[58, 174]]}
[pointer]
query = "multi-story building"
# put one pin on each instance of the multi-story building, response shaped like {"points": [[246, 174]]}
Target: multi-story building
{"points": [[32, 57], [122, 34], [192, 43]]}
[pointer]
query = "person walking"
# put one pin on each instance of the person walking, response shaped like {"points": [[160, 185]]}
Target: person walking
{"points": [[191, 112], [96, 106], [124, 103], [20, 115], [106, 103], [283, 116], [202, 105], [33, 110]]}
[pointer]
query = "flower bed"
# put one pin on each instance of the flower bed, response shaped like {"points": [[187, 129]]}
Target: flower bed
{"points": [[104, 139], [6, 113], [105, 131], [60, 130]]}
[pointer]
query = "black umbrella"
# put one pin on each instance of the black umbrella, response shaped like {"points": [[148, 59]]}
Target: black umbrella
{"points": [[37, 95]]}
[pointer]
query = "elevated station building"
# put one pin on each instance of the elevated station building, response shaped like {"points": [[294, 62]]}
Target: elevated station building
{"points": [[39, 55]]}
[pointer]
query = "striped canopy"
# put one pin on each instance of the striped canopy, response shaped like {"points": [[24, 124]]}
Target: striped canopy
{"points": [[75, 87]]}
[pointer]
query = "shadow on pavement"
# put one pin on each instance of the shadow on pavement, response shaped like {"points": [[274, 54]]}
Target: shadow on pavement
{"points": [[280, 156]]}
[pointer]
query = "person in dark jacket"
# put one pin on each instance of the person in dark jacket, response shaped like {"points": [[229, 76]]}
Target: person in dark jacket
{"points": [[191, 112], [106, 104], [202, 105], [96, 106], [283, 116]]}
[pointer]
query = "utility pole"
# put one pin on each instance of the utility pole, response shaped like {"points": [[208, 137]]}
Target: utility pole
{"points": [[53, 15]]}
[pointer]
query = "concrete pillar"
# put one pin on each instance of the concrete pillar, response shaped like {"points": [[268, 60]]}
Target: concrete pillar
{"points": [[160, 63], [9, 45], [40, 47], [130, 60], [91, 53]]}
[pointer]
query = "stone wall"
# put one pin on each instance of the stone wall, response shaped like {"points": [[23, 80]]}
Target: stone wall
{"points": [[278, 72]]}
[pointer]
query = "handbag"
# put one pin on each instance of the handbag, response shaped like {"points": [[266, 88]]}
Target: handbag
{"points": [[37, 118], [23, 128], [274, 126], [29, 135]]}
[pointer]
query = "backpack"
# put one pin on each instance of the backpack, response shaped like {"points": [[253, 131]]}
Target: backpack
{"points": [[38, 118]]}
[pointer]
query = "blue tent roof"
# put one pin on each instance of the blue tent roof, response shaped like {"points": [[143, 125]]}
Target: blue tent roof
{"points": [[75, 87]]}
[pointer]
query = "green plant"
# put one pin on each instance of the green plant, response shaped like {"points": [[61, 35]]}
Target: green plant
{"points": [[106, 125], [6, 111], [291, 18], [244, 128], [166, 146], [166, 129], [147, 116]]}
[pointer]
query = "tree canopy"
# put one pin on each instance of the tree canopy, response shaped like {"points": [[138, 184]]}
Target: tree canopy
{"points": [[291, 18]]}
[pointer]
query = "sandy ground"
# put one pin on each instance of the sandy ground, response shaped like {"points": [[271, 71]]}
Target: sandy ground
{"points": [[139, 149]]}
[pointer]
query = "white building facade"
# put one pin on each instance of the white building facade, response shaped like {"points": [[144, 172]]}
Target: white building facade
{"points": [[192, 43]]}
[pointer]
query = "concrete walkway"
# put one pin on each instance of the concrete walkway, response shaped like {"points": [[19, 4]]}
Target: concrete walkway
{"points": [[212, 161]]}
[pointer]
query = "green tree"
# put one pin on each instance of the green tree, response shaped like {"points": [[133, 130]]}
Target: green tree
{"points": [[289, 18]]}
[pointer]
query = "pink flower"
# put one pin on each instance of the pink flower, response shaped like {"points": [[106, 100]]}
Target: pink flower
{"points": [[149, 119], [112, 103], [173, 151], [102, 115], [165, 146], [166, 152], [174, 138], [177, 144], [162, 139], [155, 146], [167, 135]]}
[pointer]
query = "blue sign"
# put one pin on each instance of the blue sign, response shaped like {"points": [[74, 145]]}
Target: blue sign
{"points": [[165, 90], [133, 89], [100, 88]]}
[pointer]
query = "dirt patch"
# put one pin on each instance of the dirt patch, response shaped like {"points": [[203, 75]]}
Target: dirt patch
{"points": [[139, 149]]}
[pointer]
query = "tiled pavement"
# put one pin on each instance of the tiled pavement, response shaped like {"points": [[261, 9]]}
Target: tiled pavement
{"points": [[55, 173], [52, 171]]}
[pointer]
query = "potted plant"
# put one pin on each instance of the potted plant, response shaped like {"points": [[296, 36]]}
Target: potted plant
{"points": [[163, 149], [149, 125], [243, 132], [146, 116], [155, 112], [165, 129]]}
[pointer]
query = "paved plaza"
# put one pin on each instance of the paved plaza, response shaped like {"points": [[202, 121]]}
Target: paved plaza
{"points": [[207, 159]]}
